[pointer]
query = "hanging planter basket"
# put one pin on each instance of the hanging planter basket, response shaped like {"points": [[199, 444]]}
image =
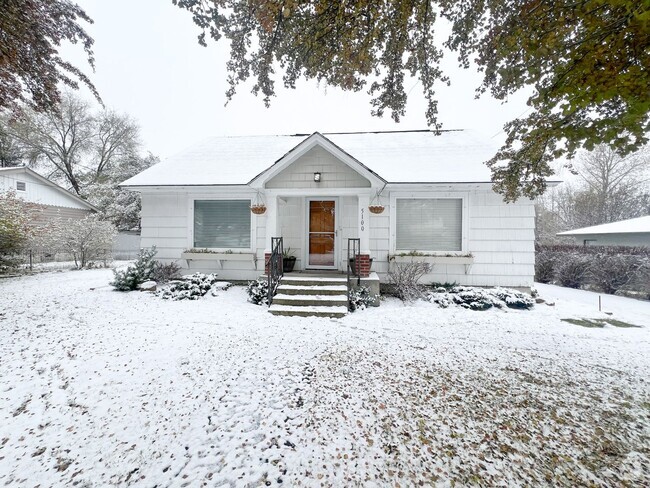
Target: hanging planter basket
{"points": [[258, 208], [376, 209]]}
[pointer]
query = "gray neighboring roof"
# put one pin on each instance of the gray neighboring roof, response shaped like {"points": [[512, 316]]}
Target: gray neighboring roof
{"points": [[45, 181], [640, 225], [397, 157]]}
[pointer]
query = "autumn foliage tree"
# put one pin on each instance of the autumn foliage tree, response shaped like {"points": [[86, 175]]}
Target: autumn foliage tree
{"points": [[587, 62], [31, 68]]}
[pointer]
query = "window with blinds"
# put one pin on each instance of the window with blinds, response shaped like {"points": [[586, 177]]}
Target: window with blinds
{"points": [[431, 224], [21, 186], [222, 224]]}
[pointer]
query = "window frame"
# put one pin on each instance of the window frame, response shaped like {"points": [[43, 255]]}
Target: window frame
{"points": [[464, 238], [24, 184], [253, 223]]}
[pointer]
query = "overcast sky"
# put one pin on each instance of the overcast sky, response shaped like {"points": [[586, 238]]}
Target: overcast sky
{"points": [[149, 65]]}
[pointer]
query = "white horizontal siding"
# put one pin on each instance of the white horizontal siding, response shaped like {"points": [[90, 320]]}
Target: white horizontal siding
{"points": [[36, 191], [334, 173]]}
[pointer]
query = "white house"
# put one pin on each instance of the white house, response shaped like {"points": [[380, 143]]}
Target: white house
{"points": [[436, 194], [32, 187], [631, 232]]}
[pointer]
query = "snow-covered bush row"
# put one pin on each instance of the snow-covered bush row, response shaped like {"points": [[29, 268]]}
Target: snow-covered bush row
{"points": [[480, 298], [603, 268], [193, 287], [361, 298], [258, 292]]}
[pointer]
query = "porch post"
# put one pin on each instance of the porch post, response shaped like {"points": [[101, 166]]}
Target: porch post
{"points": [[363, 231], [363, 223], [271, 228], [271, 220]]}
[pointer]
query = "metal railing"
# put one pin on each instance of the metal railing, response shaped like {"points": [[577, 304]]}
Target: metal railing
{"points": [[354, 249], [274, 266]]}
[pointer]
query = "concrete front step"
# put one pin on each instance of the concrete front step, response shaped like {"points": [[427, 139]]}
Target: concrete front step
{"points": [[311, 300], [308, 311], [311, 289], [314, 280]]}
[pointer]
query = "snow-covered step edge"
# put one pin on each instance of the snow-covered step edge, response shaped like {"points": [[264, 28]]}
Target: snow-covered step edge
{"points": [[324, 298], [308, 311], [311, 300], [342, 288], [313, 279]]}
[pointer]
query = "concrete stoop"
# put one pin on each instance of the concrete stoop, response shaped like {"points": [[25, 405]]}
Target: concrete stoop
{"points": [[315, 296]]}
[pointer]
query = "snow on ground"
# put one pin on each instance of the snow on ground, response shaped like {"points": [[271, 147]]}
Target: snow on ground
{"points": [[105, 388]]}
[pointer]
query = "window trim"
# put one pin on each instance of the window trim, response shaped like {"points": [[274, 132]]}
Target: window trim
{"points": [[423, 195], [253, 223], [24, 184]]}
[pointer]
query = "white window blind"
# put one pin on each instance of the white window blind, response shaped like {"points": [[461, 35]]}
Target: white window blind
{"points": [[432, 224], [223, 224]]}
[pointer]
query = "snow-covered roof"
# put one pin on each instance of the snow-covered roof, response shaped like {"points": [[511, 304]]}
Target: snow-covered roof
{"points": [[630, 226], [397, 157], [14, 170]]}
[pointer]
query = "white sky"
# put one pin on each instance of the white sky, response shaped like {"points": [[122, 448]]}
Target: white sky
{"points": [[150, 65]]}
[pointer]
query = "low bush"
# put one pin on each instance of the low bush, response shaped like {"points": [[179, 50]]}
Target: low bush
{"points": [[545, 267], [573, 272], [610, 273], [361, 298], [136, 273], [481, 298], [190, 287], [405, 280], [258, 292], [609, 269], [163, 273]]}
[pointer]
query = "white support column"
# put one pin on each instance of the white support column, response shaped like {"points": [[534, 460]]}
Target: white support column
{"points": [[271, 220], [363, 223]]}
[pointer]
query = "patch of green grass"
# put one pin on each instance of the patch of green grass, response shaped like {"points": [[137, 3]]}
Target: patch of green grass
{"points": [[599, 323]]}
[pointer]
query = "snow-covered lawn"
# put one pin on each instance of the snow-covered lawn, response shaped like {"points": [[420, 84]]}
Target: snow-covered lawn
{"points": [[105, 388]]}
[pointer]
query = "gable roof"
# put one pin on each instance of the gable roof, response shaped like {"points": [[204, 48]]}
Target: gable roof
{"points": [[630, 226], [44, 181], [395, 157]]}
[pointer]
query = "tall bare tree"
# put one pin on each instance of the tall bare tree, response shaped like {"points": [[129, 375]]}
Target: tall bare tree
{"points": [[75, 144]]}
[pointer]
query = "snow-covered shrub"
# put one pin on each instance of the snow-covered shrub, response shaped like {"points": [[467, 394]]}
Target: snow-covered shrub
{"points": [[545, 266], [513, 298], [16, 227], [481, 298], [88, 239], [258, 292], [610, 273], [361, 298], [190, 287], [405, 280], [162, 273], [136, 273], [573, 271]]}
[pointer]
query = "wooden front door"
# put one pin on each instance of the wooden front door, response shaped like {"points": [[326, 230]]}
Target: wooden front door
{"points": [[322, 234]]}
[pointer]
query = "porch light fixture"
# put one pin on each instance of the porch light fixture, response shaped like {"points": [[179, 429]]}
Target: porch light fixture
{"points": [[317, 177]]}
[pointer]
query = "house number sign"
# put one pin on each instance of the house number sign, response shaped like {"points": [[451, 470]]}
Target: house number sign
{"points": [[363, 216]]}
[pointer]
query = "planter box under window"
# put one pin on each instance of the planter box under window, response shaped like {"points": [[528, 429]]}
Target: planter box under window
{"points": [[220, 256], [434, 259]]}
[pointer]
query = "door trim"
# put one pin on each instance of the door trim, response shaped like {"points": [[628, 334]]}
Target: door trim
{"points": [[336, 232]]}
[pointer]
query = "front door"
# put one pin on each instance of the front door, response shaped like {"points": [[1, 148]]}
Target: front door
{"points": [[322, 234]]}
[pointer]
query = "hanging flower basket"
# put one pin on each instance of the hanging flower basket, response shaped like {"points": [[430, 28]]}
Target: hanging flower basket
{"points": [[376, 209], [258, 208]]}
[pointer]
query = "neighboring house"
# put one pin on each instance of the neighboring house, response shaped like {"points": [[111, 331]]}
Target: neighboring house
{"points": [[32, 187], [317, 190], [631, 232]]}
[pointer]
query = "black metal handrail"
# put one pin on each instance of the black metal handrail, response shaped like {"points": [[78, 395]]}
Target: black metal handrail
{"points": [[354, 249], [274, 267]]}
